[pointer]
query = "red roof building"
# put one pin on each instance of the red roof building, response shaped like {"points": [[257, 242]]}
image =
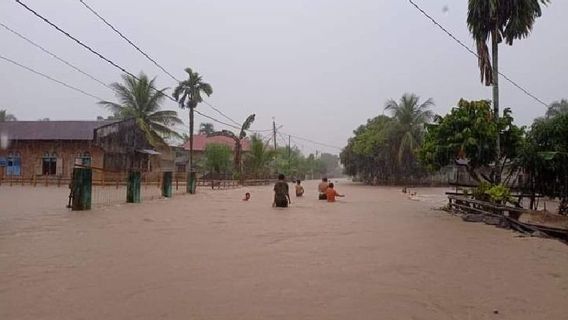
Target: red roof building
{"points": [[200, 141]]}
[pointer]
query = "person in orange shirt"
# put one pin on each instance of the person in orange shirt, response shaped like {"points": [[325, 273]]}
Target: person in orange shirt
{"points": [[331, 193]]}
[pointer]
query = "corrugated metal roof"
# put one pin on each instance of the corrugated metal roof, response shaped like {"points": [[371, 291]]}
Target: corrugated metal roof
{"points": [[51, 130]]}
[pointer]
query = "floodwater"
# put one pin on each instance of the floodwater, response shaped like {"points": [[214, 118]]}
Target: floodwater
{"points": [[375, 254]]}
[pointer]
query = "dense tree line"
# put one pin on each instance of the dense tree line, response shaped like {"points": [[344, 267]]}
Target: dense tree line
{"points": [[533, 160], [385, 149]]}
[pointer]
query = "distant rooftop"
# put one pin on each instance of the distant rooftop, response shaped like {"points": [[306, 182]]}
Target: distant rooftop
{"points": [[51, 130], [200, 141]]}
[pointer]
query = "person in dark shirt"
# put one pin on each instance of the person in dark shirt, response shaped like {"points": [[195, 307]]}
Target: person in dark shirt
{"points": [[322, 188], [281, 193]]}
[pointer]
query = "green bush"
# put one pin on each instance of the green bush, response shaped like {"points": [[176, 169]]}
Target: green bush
{"points": [[499, 194], [481, 192]]}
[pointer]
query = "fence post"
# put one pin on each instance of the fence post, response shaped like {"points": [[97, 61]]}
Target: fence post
{"points": [[81, 189], [191, 182], [133, 187], [167, 184]]}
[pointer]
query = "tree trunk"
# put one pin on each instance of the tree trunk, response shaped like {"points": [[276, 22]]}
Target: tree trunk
{"points": [[191, 139], [495, 57], [238, 161], [191, 174]]}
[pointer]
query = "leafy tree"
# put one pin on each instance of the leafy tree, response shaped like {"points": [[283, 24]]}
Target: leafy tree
{"points": [[544, 159], [238, 140], [329, 165], [498, 20], [5, 116], [217, 158], [257, 161], [206, 128], [468, 135], [385, 148], [188, 94], [138, 99], [315, 167], [557, 108]]}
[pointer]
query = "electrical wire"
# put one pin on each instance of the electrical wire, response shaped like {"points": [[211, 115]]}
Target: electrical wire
{"points": [[53, 55], [50, 78], [314, 142], [122, 69], [105, 21], [474, 53], [126, 39]]}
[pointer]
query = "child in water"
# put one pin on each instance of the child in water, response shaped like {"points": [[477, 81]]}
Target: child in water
{"points": [[247, 196], [299, 189]]}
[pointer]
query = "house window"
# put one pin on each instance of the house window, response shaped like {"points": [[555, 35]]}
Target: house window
{"points": [[84, 159], [13, 165], [49, 164]]}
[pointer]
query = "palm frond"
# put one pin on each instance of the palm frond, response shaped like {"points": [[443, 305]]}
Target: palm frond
{"points": [[246, 125]]}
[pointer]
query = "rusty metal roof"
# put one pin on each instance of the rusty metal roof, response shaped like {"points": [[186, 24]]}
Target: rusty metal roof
{"points": [[51, 130]]}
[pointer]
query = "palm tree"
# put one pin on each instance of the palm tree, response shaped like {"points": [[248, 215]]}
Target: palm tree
{"points": [[5, 116], [138, 99], [259, 157], [557, 108], [499, 19], [238, 141], [206, 128], [188, 94], [410, 117]]}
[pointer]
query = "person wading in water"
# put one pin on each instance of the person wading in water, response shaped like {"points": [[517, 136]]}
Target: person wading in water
{"points": [[281, 193], [322, 188]]}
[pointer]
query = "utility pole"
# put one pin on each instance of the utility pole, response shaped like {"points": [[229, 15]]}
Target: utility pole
{"points": [[289, 153], [274, 132], [275, 153]]}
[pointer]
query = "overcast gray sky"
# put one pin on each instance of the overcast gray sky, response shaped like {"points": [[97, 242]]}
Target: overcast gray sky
{"points": [[321, 68]]}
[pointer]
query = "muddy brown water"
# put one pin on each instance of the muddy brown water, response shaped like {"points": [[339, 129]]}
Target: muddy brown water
{"points": [[375, 254]]}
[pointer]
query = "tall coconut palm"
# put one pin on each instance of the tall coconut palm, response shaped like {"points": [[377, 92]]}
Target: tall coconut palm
{"points": [[557, 108], [498, 20], [206, 128], [188, 94], [238, 141], [5, 116], [410, 117], [138, 99]]}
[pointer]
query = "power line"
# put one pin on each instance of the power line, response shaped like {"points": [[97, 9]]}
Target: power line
{"points": [[86, 46], [53, 55], [314, 142], [50, 78], [126, 39], [125, 71], [221, 113], [216, 120], [105, 21], [474, 53]]}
